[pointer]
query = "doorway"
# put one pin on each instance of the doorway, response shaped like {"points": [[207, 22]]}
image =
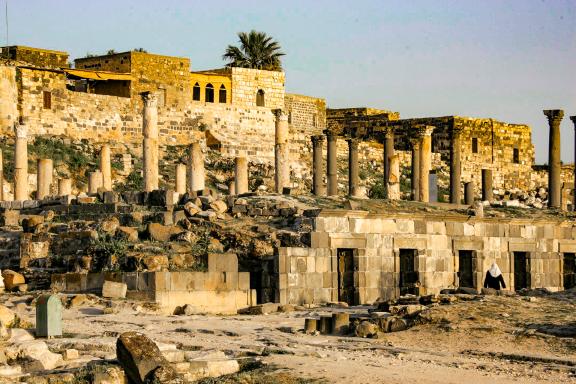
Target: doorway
{"points": [[408, 274], [465, 269], [569, 268], [346, 288], [521, 270]]}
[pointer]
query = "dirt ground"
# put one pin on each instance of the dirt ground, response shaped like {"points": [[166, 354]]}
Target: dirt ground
{"points": [[491, 339]]}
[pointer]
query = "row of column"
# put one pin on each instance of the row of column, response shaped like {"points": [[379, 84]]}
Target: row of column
{"points": [[421, 164], [421, 151]]}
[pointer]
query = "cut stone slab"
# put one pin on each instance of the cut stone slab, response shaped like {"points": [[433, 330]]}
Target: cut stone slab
{"points": [[40, 356], [7, 317], [141, 359], [19, 335], [212, 368], [114, 290], [12, 279], [71, 354]]}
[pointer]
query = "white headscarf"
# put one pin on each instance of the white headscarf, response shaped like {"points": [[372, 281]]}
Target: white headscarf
{"points": [[495, 270]]}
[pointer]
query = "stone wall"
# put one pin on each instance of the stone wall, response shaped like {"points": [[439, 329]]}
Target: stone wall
{"points": [[310, 275], [8, 97], [306, 117], [35, 56], [222, 289], [247, 82]]}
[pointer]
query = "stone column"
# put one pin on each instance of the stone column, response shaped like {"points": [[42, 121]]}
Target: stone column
{"points": [[554, 165], [455, 165], [241, 175], [43, 178], [64, 187], [150, 132], [487, 189], [105, 167], [393, 186], [180, 178], [425, 161], [21, 164], [415, 179], [1, 176], [469, 193], [94, 181], [281, 152], [573, 118], [353, 178], [196, 175], [332, 168], [388, 153], [317, 165]]}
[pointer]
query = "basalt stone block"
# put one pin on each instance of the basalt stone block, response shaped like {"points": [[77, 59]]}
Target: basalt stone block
{"points": [[111, 197], [134, 197], [142, 360]]}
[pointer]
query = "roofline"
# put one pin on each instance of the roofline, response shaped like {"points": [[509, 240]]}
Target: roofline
{"points": [[37, 49]]}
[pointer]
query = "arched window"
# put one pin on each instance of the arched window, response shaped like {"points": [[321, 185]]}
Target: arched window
{"points": [[260, 98], [196, 92], [222, 94], [209, 95]]}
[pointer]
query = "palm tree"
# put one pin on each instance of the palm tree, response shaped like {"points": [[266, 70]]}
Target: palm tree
{"points": [[257, 50]]}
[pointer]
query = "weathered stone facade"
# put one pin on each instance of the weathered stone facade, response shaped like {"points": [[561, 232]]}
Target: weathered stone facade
{"points": [[505, 148], [54, 101], [35, 56], [390, 254]]}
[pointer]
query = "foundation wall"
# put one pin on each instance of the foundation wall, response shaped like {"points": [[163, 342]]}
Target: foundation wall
{"points": [[310, 275], [221, 290]]}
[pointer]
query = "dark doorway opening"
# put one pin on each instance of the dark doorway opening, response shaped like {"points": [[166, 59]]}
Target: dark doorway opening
{"points": [[521, 270], [465, 269], [569, 268], [408, 272], [346, 289]]}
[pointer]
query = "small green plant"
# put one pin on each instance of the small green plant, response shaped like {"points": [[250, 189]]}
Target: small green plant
{"points": [[134, 182], [378, 190], [109, 252]]}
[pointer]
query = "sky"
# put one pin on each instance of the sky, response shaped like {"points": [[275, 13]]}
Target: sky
{"points": [[501, 59]]}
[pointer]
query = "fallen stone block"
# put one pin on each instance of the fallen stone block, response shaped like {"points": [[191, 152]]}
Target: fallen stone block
{"points": [[107, 374], [218, 206], [12, 279], [7, 317], [71, 354], [114, 290], [39, 355], [366, 329], [214, 368], [127, 233], [142, 360], [159, 232], [263, 309]]}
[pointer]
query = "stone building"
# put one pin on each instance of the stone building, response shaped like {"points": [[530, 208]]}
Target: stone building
{"points": [[99, 100], [360, 257], [505, 149]]}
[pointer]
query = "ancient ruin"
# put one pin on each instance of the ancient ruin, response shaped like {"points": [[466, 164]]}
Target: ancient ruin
{"points": [[134, 186]]}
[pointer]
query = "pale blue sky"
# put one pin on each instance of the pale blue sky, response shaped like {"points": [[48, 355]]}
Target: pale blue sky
{"points": [[506, 59]]}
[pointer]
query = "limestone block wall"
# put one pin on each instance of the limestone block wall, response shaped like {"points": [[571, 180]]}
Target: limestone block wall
{"points": [[167, 75], [377, 241], [35, 56], [222, 289], [247, 82], [306, 117], [8, 96], [102, 118]]}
